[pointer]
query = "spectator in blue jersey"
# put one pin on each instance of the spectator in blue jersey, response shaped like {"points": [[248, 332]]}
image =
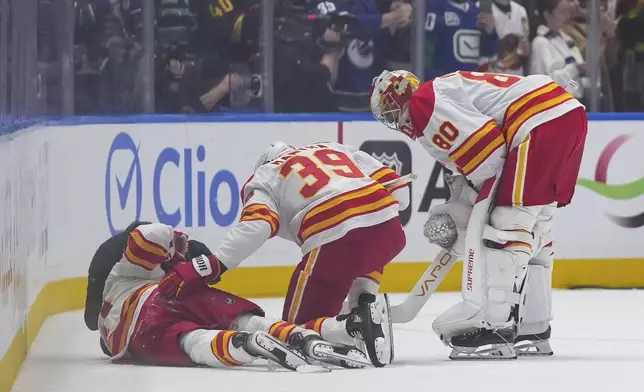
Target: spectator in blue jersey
{"points": [[459, 36], [356, 70]]}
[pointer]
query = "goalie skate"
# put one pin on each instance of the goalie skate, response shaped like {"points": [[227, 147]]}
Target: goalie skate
{"points": [[483, 344], [336, 354], [534, 344], [370, 323], [261, 344]]}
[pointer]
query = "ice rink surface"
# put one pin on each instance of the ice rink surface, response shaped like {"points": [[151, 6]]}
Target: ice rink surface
{"points": [[598, 339]]}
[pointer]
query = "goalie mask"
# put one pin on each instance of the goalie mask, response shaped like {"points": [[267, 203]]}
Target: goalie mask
{"points": [[274, 151], [390, 96]]}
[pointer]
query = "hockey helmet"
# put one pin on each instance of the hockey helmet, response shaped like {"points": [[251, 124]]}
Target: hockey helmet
{"points": [[274, 151], [389, 100]]}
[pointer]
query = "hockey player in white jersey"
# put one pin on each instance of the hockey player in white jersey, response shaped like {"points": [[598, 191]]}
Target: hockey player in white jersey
{"points": [[529, 133], [328, 199], [206, 327]]}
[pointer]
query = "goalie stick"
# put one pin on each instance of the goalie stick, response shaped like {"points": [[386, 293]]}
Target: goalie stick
{"points": [[400, 180], [478, 230]]}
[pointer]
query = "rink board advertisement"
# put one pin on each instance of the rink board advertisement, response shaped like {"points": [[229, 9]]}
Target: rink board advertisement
{"points": [[70, 187]]}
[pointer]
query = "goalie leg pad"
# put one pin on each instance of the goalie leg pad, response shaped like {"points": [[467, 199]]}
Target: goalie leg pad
{"points": [[536, 312], [492, 282]]}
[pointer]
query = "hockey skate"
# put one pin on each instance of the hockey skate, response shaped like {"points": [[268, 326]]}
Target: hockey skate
{"points": [[534, 344], [262, 345], [337, 354], [483, 344], [370, 325]]}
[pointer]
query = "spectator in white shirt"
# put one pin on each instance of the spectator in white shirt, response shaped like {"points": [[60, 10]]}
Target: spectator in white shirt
{"points": [[554, 53]]}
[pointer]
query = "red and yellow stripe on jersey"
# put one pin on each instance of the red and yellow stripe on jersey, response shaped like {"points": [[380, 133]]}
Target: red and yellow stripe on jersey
{"points": [[332, 212], [117, 340], [316, 324], [385, 174], [257, 211], [282, 330], [477, 147], [220, 347], [143, 252], [531, 104]]}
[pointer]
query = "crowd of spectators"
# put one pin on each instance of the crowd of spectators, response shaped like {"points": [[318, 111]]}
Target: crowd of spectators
{"points": [[326, 53]]}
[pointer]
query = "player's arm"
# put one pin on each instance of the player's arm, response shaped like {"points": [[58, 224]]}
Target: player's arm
{"points": [[457, 132], [382, 174], [259, 222], [148, 247]]}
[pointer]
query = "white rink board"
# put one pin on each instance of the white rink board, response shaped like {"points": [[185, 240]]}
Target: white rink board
{"points": [[83, 192], [54, 183]]}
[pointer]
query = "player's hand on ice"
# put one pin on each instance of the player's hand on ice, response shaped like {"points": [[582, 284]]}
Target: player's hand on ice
{"points": [[185, 278]]}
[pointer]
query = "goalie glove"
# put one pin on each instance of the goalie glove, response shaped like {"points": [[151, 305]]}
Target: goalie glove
{"points": [[184, 278], [447, 223]]}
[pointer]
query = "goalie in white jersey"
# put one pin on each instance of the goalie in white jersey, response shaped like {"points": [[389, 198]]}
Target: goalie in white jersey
{"points": [[530, 133], [329, 199]]}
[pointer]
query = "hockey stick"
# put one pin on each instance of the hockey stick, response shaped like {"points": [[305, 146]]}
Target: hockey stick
{"points": [[400, 180], [424, 288], [478, 229]]}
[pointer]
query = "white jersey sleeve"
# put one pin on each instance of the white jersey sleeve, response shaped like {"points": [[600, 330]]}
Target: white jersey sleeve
{"points": [[148, 246], [259, 222], [454, 132], [382, 173]]}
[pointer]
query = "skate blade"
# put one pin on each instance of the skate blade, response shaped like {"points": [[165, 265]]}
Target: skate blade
{"points": [[383, 347], [324, 353], [533, 349], [274, 350], [492, 352]]}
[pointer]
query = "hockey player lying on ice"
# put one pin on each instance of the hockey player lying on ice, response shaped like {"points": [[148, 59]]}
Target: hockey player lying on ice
{"points": [[202, 325], [527, 131], [329, 199]]}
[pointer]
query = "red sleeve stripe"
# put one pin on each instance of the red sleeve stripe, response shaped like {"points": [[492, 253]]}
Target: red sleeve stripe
{"points": [[477, 148], [257, 211], [382, 173], [144, 253]]}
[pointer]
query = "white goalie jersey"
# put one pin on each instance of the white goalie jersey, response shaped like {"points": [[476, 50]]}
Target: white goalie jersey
{"points": [[131, 282], [312, 196], [468, 120]]}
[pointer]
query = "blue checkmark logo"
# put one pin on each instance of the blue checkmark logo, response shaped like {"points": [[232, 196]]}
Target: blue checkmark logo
{"points": [[123, 142], [124, 189]]}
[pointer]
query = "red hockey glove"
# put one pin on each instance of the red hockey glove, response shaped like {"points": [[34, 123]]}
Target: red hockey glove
{"points": [[187, 277]]}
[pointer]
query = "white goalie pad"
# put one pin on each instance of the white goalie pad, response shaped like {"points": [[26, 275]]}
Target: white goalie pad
{"points": [[463, 317], [536, 312]]}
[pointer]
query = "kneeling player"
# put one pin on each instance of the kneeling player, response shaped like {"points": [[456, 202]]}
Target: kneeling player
{"points": [[530, 133], [330, 200], [208, 327]]}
